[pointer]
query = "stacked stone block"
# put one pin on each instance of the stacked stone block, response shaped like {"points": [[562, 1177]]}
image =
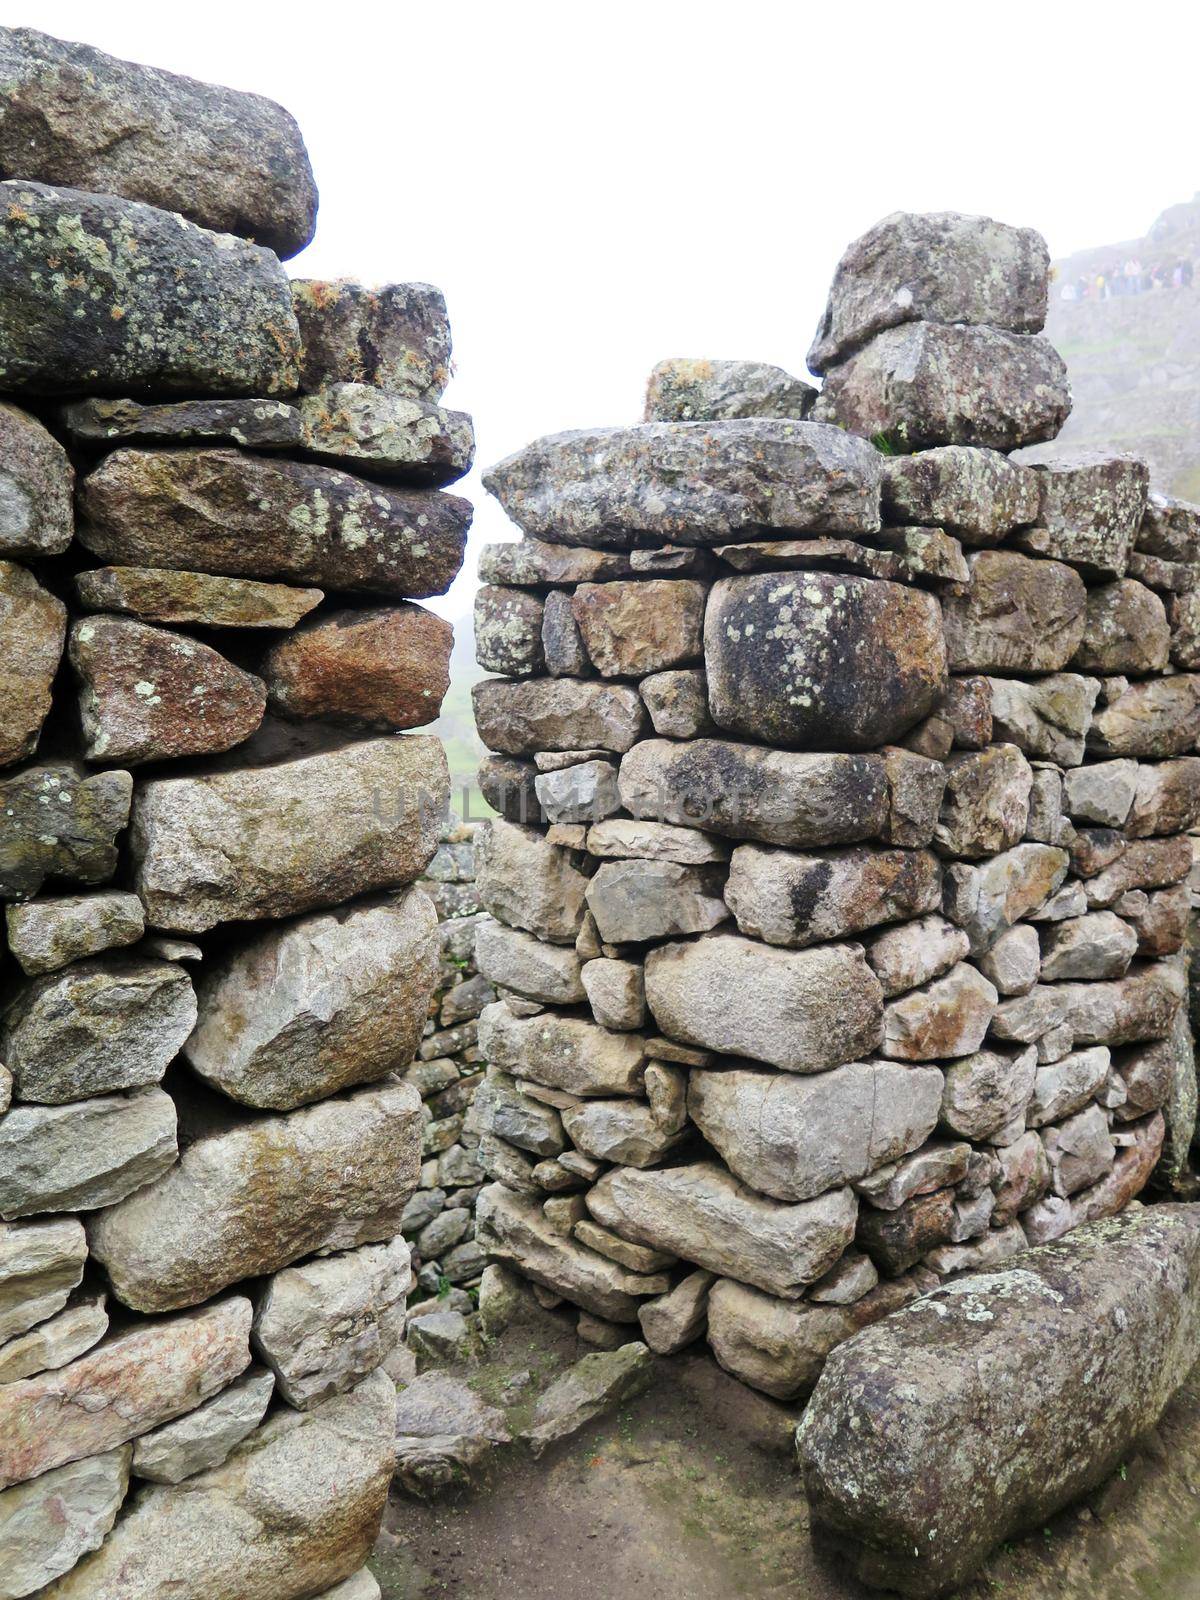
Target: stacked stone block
{"points": [[844, 770], [220, 493]]}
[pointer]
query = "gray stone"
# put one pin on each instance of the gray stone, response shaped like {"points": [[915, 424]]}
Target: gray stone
{"points": [[97, 1027], [928, 383], [88, 1154], [204, 1438], [278, 840], [519, 718], [914, 953], [747, 792], [247, 1198], [32, 629], [562, 1052], [915, 788], [36, 484], [986, 900], [948, 1017], [527, 883], [45, 935], [1144, 864], [793, 1138], [253, 424], [1080, 1151], [985, 804], [586, 792], [108, 294], [1099, 945], [634, 901], [987, 1091], [701, 1213], [616, 993], [977, 495], [822, 659], [1014, 615], [551, 973], [852, 1277], [690, 483], [56, 1341], [624, 1132], [1091, 506], [678, 703], [1154, 717], [675, 1319], [1101, 793], [623, 838], [1014, 961], [501, 1109], [156, 594], [935, 1166], [586, 1391], [1127, 630], [1139, 1006], [40, 1264], [1066, 1085], [1049, 719], [389, 436], [797, 900], [1166, 799], [538, 563], [939, 266], [254, 516], [1029, 1017], [508, 631], [803, 1010], [714, 391], [443, 1432], [47, 1524], [318, 1005]]}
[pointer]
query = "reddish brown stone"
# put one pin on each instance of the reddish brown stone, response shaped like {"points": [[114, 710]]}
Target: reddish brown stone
{"points": [[32, 626], [386, 667]]}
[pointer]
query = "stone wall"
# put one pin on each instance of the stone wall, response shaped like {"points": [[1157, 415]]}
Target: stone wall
{"points": [[844, 769], [220, 492]]}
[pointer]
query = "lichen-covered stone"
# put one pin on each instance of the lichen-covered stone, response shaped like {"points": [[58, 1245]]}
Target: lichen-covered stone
{"points": [[1126, 630], [985, 804], [690, 483], [359, 426], [33, 625], [715, 391], [253, 424], [147, 694], [1090, 510], [631, 629], [319, 1005], [939, 266], [977, 495], [36, 486], [979, 1394], [508, 631], [60, 822], [927, 384], [156, 594], [274, 841], [373, 667], [248, 516], [104, 295], [822, 659], [247, 1198], [1015, 615], [396, 337], [229, 160]]}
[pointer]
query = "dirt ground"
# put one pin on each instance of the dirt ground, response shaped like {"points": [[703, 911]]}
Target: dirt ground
{"points": [[689, 1493]]}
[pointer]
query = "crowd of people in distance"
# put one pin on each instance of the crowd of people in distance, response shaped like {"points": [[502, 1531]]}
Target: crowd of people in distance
{"points": [[1132, 278]]}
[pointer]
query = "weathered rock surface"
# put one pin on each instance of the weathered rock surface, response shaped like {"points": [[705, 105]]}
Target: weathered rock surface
{"points": [[987, 1091], [1101, 793], [1049, 719], [562, 1052], [1154, 717], [540, 971], [586, 1391], [274, 841], [443, 1431], [111, 296], [32, 629], [203, 1438], [509, 632], [673, 1320], [803, 1010], [252, 516], [977, 495], [528, 883], [1086, 1340], [715, 391], [745, 791], [36, 483], [914, 953], [635, 901], [146, 694], [1091, 505], [97, 1027], [1167, 798], [928, 384], [1099, 945], [265, 1514], [131, 1382], [985, 804], [253, 424], [1066, 1086], [940, 266], [248, 1198], [396, 337], [631, 629], [45, 935], [379, 667], [945, 1018], [822, 658], [156, 594], [689, 483], [793, 1138], [624, 1132], [616, 992], [521, 717], [623, 838], [1126, 630], [225, 159], [47, 1524], [701, 1213], [319, 1005], [586, 792], [88, 1154], [1139, 1006], [80, 1325], [61, 822], [40, 1264], [1015, 614], [359, 426], [987, 899], [796, 900], [324, 1325]]}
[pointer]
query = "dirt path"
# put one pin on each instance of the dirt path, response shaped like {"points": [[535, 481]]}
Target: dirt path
{"points": [[689, 1493]]}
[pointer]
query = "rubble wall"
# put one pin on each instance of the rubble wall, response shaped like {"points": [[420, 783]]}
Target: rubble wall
{"points": [[845, 773], [221, 492]]}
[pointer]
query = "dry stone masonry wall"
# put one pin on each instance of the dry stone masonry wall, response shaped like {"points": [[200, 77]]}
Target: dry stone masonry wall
{"points": [[844, 769], [220, 494]]}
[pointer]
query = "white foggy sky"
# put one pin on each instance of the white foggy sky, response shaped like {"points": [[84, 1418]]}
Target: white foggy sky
{"points": [[596, 187]]}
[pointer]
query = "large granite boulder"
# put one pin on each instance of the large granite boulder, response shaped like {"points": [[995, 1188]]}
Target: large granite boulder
{"points": [[989, 1404], [232, 161], [926, 384], [273, 841], [803, 1010], [793, 1137], [247, 1198], [936, 266], [316, 1006], [822, 658], [253, 516], [33, 625], [264, 1525], [36, 488], [108, 296], [689, 483]]}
